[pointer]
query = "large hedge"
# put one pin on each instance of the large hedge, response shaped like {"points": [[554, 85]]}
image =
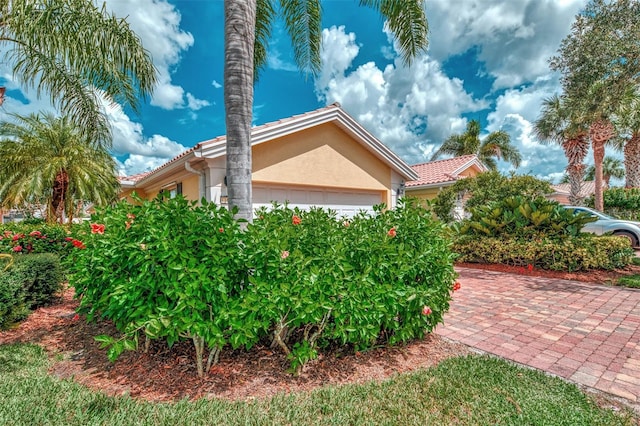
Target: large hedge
{"points": [[623, 203], [170, 270]]}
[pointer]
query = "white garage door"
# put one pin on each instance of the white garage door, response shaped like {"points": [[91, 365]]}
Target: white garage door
{"points": [[345, 203]]}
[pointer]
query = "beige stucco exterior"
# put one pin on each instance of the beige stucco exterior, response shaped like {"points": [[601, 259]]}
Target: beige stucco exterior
{"points": [[334, 156]]}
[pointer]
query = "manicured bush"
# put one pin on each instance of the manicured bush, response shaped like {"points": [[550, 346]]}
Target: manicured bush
{"points": [[622, 203], [12, 295], [519, 231], [170, 270], [41, 275], [165, 268], [582, 253]]}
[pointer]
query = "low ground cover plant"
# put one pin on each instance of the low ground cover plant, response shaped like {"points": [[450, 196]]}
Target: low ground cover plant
{"points": [[541, 233], [302, 280]]}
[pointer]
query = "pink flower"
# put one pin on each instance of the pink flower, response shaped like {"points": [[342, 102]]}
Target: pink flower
{"points": [[284, 254], [127, 225], [17, 237], [456, 286], [68, 239], [131, 216], [17, 248], [97, 228], [296, 220], [221, 230], [346, 223], [392, 232], [426, 310], [35, 233]]}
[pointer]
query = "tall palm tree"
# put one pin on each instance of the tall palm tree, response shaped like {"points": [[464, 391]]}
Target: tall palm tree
{"points": [[628, 138], [555, 125], [48, 158], [76, 52], [611, 167], [247, 30], [494, 145]]}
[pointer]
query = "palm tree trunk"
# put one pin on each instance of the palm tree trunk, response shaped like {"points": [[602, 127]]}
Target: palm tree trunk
{"points": [[600, 131], [239, 38], [576, 176], [58, 197], [575, 149], [632, 161]]}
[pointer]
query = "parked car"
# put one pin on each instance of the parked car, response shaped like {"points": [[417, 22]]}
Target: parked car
{"points": [[607, 224]]}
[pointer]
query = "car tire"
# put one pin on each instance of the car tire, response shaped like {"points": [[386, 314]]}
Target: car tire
{"points": [[628, 235]]}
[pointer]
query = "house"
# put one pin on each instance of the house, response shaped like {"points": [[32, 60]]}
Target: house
{"points": [[437, 175], [563, 190], [321, 158]]}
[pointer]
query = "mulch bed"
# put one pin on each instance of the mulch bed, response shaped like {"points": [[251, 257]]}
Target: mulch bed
{"points": [[165, 374]]}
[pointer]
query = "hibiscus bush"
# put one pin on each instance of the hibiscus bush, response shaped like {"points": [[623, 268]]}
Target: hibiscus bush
{"points": [[299, 280], [21, 238]]}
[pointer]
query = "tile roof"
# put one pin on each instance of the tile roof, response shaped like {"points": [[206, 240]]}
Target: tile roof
{"points": [[588, 188], [441, 170]]}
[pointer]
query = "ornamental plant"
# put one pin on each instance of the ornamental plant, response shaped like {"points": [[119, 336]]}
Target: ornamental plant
{"points": [[162, 269], [33, 239]]}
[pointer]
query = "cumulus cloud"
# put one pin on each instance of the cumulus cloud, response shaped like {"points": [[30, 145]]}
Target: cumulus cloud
{"points": [[516, 37], [143, 153], [410, 109]]}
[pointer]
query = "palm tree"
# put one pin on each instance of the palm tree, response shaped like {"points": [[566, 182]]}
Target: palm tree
{"points": [[611, 167], [76, 52], [494, 145], [48, 158], [247, 30], [628, 138], [555, 125]]}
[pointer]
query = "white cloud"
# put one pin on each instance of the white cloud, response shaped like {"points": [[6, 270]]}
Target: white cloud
{"points": [[516, 37], [196, 104], [215, 84], [410, 109], [276, 63]]}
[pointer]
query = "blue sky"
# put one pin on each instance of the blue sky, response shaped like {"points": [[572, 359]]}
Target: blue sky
{"points": [[487, 60]]}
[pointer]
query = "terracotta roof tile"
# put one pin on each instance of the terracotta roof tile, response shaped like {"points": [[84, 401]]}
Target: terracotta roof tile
{"points": [[588, 188], [440, 171]]}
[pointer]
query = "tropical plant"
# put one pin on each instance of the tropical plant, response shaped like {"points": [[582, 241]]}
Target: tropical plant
{"points": [[47, 158], [628, 138], [77, 53], [556, 125], [611, 167], [248, 25], [598, 63], [494, 145]]}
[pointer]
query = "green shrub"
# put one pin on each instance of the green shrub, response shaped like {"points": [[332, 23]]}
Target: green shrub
{"points": [[523, 218], [41, 275], [631, 281], [571, 253], [172, 270], [622, 203], [166, 268], [13, 306], [487, 188], [21, 238]]}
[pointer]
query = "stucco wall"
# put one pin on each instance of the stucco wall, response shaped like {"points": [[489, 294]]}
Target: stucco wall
{"points": [[423, 193], [321, 156]]}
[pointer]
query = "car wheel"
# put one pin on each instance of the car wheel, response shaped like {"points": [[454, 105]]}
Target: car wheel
{"points": [[628, 235]]}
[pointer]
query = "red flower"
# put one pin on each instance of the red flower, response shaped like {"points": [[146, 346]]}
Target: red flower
{"points": [[97, 228], [35, 233], [392, 232], [284, 254], [17, 237], [17, 248], [456, 286], [78, 244], [76, 317], [127, 225], [426, 310], [68, 239], [530, 267], [296, 220], [131, 216], [221, 230]]}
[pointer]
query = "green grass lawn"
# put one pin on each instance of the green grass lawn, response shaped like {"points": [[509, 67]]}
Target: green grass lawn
{"points": [[473, 390]]}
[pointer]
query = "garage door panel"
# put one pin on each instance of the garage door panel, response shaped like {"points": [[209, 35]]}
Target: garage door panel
{"points": [[344, 203]]}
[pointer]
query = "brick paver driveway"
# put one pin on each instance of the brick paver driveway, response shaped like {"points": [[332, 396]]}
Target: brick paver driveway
{"points": [[587, 333]]}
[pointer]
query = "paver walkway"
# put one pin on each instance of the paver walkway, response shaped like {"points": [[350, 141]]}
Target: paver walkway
{"points": [[586, 333]]}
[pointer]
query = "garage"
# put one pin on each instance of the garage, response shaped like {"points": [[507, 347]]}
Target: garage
{"points": [[344, 202]]}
